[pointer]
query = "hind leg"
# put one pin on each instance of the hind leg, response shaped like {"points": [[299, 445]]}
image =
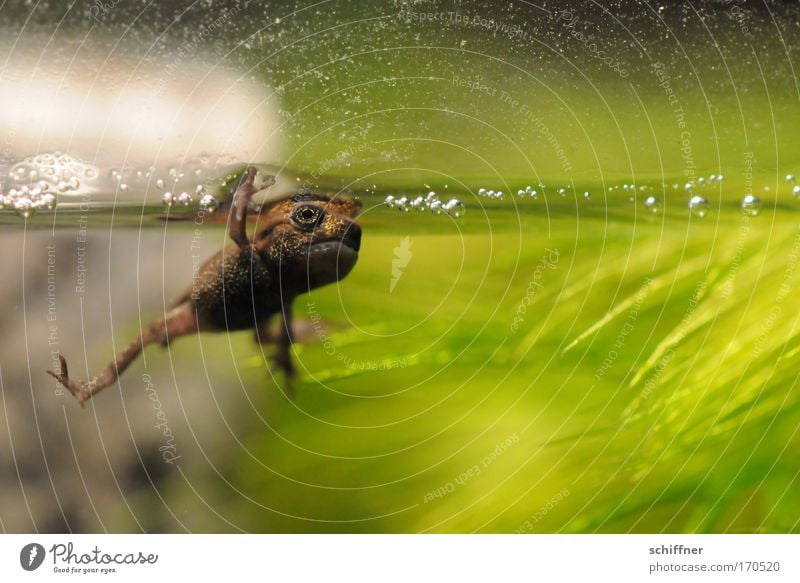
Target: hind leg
{"points": [[178, 322], [283, 344]]}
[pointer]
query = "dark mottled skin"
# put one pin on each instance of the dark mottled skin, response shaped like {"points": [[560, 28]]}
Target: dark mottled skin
{"points": [[300, 244], [225, 287]]}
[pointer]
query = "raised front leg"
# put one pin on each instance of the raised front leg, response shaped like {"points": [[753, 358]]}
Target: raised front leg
{"points": [[237, 220], [178, 322]]}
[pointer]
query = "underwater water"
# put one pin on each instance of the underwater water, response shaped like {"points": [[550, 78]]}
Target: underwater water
{"points": [[575, 306]]}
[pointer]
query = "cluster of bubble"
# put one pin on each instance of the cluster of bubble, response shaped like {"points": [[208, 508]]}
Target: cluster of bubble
{"points": [[453, 207], [498, 195], [173, 196], [26, 200], [698, 204], [51, 171], [208, 203], [751, 204], [192, 169], [33, 183], [527, 192], [702, 181]]}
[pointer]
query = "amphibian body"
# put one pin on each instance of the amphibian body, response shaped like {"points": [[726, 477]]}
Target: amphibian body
{"points": [[300, 244]]}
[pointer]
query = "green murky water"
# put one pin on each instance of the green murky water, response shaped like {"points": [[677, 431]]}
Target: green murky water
{"points": [[549, 363]]}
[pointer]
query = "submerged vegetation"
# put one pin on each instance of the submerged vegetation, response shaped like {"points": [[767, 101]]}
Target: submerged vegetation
{"points": [[651, 379]]}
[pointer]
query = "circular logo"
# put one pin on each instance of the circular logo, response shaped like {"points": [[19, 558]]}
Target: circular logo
{"points": [[31, 556]]}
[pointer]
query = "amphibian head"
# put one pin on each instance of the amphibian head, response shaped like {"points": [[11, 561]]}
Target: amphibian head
{"points": [[313, 239]]}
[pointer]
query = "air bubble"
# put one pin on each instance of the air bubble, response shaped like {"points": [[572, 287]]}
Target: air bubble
{"points": [[455, 208], [751, 205], [698, 206], [653, 204], [168, 199], [208, 203]]}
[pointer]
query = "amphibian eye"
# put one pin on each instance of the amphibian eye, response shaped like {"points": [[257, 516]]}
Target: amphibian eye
{"points": [[307, 216]]}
